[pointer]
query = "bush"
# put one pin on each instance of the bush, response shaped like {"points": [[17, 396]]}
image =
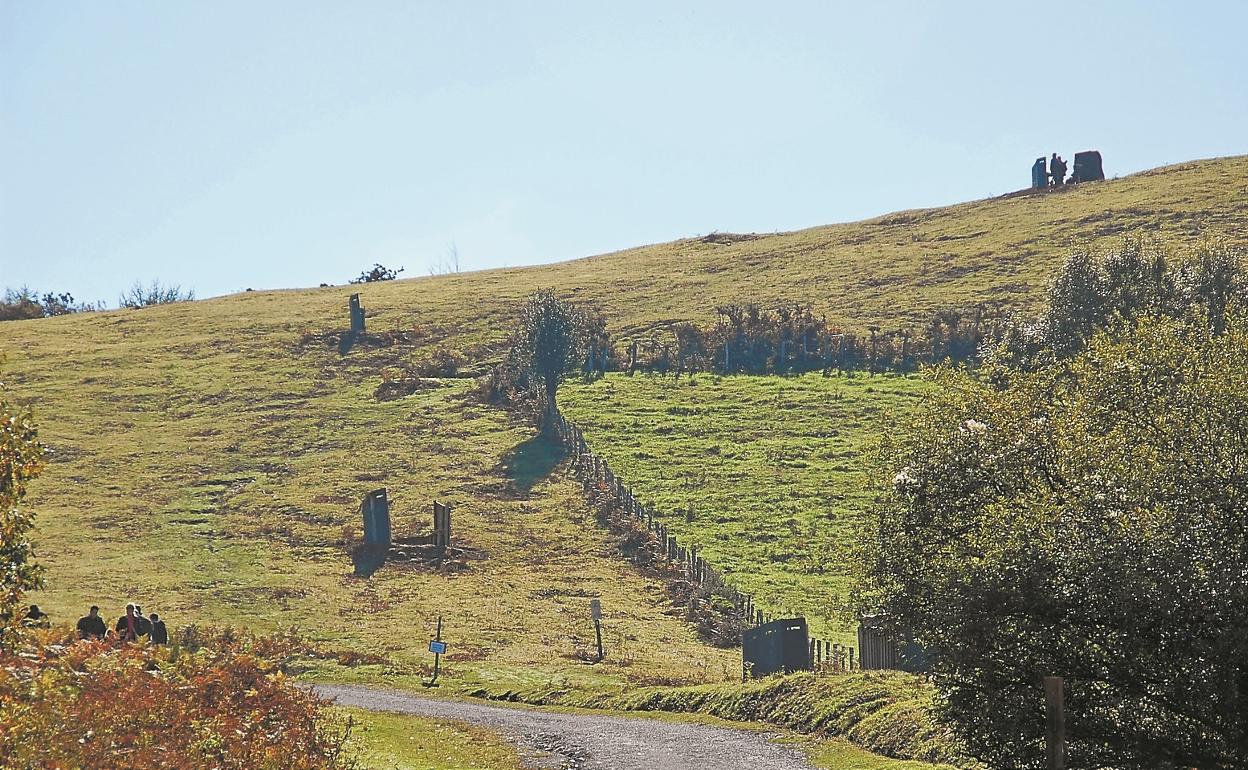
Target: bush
{"points": [[154, 294], [1112, 290], [21, 304], [377, 273], [1084, 520], [21, 460], [89, 705], [553, 337]]}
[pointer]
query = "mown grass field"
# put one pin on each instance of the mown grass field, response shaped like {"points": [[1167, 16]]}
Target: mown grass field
{"points": [[210, 456], [765, 475]]}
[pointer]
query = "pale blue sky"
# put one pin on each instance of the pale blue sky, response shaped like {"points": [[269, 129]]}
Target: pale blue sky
{"points": [[227, 145]]}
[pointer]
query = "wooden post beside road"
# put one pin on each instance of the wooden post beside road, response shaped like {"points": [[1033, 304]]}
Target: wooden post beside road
{"points": [[1055, 732]]}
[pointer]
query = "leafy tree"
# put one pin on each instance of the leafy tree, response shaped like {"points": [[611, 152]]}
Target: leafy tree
{"points": [[551, 340], [377, 273], [21, 459], [1088, 520], [24, 303], [1110, 290], [154, 294]]}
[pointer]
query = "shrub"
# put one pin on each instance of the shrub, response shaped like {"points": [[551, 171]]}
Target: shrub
{"points": [[21, 304], [154, 294], [552, 338], [1085, 520], [21, 459], [93, 704], [377, 273]]}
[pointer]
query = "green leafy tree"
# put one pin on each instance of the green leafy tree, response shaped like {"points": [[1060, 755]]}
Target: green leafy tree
{"points": [[550, 342], [1110, 290], [21, 459], [1088, 520]]}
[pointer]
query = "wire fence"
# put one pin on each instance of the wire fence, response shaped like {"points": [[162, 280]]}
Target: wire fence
{"points": [[595, 473]]}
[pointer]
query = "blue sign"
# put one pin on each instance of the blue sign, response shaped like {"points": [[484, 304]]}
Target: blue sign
{"points": [[437, 648]]}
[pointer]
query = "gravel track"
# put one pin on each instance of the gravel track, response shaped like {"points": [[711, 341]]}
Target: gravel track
{"points": [[590, 741]]}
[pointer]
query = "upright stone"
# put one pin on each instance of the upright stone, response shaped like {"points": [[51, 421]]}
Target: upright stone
{"points": [[376, 512], [357, 314]]}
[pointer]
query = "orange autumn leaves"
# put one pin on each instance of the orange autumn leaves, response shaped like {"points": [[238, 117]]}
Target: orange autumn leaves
{"points": [[70, 704]]}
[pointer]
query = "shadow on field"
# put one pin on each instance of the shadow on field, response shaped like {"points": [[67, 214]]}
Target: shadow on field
{"points": [[531, 461], [368, 559]]}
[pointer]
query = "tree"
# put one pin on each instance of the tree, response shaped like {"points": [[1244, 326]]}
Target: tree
{"points": [[1089, 520], [21, 459], [24, 303], [378, 273], [154, 294], [1095, 291], [551, 340]]}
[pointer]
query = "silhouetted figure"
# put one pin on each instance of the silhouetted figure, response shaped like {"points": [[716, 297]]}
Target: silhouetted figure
{"points": [[35, 617], [1057, 170], [128, 625], [160, 634], [91, 625]]}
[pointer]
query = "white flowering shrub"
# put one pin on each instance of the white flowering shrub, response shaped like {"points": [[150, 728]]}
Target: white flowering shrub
{"points": [[1089, 520]]}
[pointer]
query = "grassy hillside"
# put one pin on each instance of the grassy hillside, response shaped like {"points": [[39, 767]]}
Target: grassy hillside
{"points": [[210, 456], [763, 474], [889, 270], [214, 475]]}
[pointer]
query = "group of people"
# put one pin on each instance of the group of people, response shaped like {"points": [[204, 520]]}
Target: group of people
{"points": [[130, 627], [1057, 170]]}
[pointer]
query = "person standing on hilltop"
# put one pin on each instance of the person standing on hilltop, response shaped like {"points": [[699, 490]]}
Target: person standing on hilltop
{"points": [[91, 625], [1057, 170]]}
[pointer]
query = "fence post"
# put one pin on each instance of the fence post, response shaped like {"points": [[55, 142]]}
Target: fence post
{"points": [[1055, 732]]}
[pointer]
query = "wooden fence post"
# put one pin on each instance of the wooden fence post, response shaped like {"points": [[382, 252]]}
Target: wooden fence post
{"points": [[1055, 733]]}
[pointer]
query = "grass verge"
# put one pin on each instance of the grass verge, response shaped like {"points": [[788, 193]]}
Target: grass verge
{"points": [[387, 741], [885, 713]]}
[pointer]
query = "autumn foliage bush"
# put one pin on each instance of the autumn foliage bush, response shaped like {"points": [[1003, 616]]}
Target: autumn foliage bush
{"points": [[98, 704]]}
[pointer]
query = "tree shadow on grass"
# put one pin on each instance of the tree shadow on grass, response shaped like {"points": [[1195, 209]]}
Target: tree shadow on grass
{"points": [[531, 461]]}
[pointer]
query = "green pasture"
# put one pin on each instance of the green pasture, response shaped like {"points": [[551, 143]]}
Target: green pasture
{"points": [[765, 475]]}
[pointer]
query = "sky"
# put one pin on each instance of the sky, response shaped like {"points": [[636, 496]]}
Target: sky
{"points": [[231, 145]]}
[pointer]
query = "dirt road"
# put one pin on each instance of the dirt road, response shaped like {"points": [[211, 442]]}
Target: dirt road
{"points": [[591, 741]]}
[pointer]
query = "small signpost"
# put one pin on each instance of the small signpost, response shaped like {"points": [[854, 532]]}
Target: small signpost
{"points": [[438, 648], [595, 611]]}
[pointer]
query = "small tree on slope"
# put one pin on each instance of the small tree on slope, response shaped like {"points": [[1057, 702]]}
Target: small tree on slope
{"points": [[549, 343]]}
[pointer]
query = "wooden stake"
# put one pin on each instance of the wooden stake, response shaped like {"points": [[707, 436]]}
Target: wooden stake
{"points": [[1055, 734]]}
